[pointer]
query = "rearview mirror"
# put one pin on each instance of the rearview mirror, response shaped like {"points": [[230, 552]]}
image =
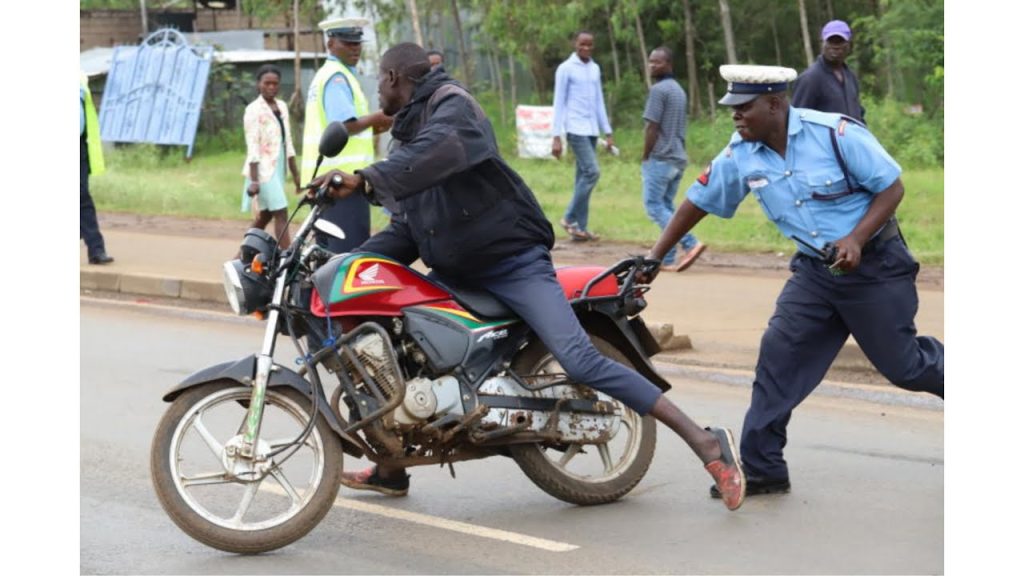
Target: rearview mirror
{"points": [[330, 228], [333, 140]]}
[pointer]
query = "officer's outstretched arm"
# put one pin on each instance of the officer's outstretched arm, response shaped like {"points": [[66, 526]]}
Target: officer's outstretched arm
{"points": [[686, 217]]}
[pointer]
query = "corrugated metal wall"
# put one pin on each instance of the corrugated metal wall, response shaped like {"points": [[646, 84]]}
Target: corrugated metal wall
{"points": [[154, 91]]}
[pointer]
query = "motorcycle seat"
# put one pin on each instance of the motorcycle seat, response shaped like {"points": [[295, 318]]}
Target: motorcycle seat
{"points": [[480, 302]]}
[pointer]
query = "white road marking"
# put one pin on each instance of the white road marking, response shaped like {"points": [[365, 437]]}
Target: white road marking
{"points": [[444, 523], [455, 526]]}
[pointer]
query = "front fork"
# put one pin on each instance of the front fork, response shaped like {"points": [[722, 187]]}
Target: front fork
{"points": [[264, 365]]}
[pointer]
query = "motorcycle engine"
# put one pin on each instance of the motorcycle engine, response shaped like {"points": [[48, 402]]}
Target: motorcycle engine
{"points": [[370, 351], [425, 398]]}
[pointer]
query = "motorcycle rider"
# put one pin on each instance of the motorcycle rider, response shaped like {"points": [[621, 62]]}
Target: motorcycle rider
{"points": [[473, 220]]}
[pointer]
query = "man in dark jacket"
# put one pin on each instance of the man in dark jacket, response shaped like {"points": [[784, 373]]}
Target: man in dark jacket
{"points": [[471, 218], [829, 85]]}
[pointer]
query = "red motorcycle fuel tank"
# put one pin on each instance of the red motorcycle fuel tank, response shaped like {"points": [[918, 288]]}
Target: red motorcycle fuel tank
{"points": [[366, 284]]}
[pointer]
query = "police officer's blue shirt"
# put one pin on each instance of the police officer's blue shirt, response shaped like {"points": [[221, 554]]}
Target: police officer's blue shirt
{"points": [[805, 193], [339, 104]]}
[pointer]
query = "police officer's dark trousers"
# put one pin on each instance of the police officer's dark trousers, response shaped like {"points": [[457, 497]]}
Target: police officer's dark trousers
{"points": [[88, 225], [814, 315], [527, 284]]}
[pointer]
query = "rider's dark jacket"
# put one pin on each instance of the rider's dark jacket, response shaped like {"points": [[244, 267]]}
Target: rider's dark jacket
{"points": [[454, 201]]}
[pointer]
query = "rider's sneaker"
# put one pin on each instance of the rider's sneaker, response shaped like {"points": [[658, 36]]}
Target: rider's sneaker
{"points": [[726, 471], [368, 479]]}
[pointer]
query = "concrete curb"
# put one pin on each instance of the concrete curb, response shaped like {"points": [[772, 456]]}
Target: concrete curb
{"points": [[152, 285]]}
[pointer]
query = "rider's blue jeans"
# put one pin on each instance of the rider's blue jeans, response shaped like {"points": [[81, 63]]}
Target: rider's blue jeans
{"points": [[527, 284]]}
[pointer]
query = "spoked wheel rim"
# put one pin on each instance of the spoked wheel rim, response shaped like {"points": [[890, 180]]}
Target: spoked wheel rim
{"points": [[234, 492], [591, 463]]}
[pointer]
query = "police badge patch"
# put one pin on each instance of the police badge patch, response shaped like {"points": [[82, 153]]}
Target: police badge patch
{"points": [[703, 178]]}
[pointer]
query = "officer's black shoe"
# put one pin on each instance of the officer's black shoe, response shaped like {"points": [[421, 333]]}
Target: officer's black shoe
{"points": [[757, 485], [101, 258]]}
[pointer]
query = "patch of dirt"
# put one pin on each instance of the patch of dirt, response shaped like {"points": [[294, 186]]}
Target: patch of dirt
{"points": [[602, 252]]}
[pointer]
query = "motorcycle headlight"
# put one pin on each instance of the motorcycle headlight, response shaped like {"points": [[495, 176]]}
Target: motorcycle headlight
{"points": [[247, 291]]}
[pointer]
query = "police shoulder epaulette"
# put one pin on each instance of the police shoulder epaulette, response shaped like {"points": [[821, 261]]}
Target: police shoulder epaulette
{"points": [[837, 122]]}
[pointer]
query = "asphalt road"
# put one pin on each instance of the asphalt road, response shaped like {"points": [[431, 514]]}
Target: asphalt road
{"points": [[868, 487]]}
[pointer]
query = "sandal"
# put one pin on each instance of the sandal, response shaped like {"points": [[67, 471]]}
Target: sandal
{"points": [[574, 231]]}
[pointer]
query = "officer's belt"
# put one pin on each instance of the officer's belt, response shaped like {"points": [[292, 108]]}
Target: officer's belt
{"points": [[888, 232]]}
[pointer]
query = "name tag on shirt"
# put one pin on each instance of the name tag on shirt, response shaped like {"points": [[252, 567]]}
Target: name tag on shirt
{"points": [[755, 182]]}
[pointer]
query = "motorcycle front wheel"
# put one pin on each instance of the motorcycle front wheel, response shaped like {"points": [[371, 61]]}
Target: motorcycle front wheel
{"points": [[586, 474], [239, 504]]}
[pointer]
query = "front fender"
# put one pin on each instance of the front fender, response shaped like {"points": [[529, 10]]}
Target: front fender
{"points": [[631, 337], [243, 371]]}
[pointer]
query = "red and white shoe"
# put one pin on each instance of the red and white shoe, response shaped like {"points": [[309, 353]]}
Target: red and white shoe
{"points": [[727, 472]]}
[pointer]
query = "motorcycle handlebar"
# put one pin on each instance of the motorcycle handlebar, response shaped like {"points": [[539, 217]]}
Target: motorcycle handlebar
{"points": [[319, 199], [628, 269]]}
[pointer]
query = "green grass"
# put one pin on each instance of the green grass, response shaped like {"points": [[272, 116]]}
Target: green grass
{"points": [[143, 180]]}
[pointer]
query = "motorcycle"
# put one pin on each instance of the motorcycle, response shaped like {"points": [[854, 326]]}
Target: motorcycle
{"points": [[248, 457]]}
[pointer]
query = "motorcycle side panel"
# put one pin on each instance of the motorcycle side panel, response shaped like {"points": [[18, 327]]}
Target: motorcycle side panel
{"points": [[451, 336], [367, 284], [243, 371]]}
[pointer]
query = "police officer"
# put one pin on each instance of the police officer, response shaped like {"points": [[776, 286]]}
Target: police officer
{"points": [[335, 95], [826, 182], [90, 163]]}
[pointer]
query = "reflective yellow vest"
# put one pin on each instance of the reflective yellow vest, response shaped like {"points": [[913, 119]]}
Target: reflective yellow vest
{"points": [[92, 131], [358, 153]]}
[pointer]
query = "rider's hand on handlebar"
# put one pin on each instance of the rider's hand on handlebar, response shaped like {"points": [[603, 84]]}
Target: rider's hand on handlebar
{"points": [[336, 184]]}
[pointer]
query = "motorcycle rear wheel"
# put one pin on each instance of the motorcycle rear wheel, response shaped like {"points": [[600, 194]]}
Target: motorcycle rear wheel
{"points": [[218, 499], [586, 474]]}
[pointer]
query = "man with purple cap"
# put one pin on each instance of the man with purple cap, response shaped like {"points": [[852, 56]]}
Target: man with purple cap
{"points": [[829, 85], [825, 182]]}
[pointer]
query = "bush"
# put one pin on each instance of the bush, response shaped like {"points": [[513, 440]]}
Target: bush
{"points": [[626, 101], [914, 140]]}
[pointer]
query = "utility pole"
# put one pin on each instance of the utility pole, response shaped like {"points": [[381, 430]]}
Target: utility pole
{"points": [[145, 24]]}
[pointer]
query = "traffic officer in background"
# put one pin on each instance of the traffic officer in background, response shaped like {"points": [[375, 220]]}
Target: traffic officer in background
{"points": [[826, 182], [90, 163], [335, 95]]}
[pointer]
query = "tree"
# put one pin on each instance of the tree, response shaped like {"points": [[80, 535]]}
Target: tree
{"points": [[730, 43], [465, 56], [806, 33], [414, 14], [691, 62], [643, 43]]}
